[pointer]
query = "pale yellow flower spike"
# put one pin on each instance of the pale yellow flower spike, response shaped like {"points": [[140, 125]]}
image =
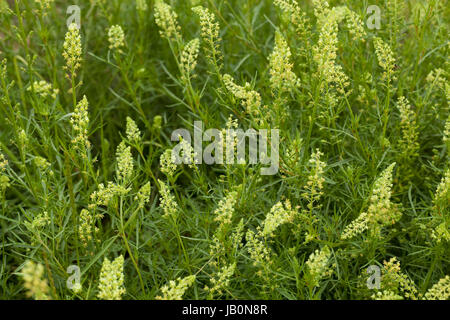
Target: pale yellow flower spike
{"points": [[282, 78], [250, 99], [439, 291], [176, 289], [132, 131], [141, 5], [318, 266], [44, 4], [441, 199], [44, 89], [409, 142], [116, 37], [3, 163], [188, 59], [297, 17], [278, 215], [386, 59], [104, 195], [321, 9], [80, 124], [166, 19], [210, 32], [381, 211], [72, 50], [111, 280], [446, 137], [325, 52], [143, 195], [124, 162], [260, 254], [316, 178], [87, 229], [221, 280], [168, 203], [394, 280], [34, 281], [225, 209], [167, 163]]}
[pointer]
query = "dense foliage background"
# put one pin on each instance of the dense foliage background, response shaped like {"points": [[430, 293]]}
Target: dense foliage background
{"points": [[349, 101]]}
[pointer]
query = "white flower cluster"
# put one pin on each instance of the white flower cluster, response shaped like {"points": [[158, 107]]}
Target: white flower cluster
{"points": [[357, 226], [386, 295], [355, 25], [437, 78], [187, 154], [42, 164], [441, 233], [22, 139], [381, 211]]}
